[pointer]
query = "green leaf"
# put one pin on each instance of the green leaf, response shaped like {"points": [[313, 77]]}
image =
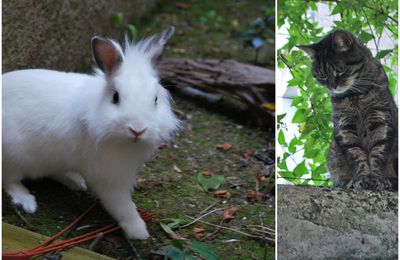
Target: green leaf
{"points": [[281, 138], [311, 153], [204, 250], [292, 145], [168, 224], [383, 53], [300, 169], [320, 170], [170, 252], [132, 31], [299, 116], [365, 37], [189, 257], [177, 243], [280, 117], [118, 18], [297, 100], [210, 182], [336, 10]]}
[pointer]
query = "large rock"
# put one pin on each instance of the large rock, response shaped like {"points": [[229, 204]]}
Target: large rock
{"points": [[56, 34], [315, 223]]}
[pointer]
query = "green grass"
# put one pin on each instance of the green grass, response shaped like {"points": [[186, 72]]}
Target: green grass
{"points": [[206, 29]]}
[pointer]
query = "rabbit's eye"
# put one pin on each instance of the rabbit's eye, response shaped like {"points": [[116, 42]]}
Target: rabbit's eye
{"points": [[115, 98], [155, 100]]}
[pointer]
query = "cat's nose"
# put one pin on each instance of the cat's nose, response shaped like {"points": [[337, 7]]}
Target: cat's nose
{"points": [[136, 132]]}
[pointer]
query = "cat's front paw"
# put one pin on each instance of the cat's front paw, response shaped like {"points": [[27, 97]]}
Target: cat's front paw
{"points": [[135, 229], [368, 182]]}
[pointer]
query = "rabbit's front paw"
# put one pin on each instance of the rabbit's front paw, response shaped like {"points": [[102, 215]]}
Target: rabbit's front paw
{"points": [[27, 201], [135, 229]]}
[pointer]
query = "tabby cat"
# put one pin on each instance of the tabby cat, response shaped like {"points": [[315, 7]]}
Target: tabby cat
{"points": [[363, 153]]}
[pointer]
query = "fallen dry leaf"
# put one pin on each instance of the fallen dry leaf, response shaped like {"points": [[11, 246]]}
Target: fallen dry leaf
{"points": [[178, 50], [247, 154], [181, 5], [207, 174], [177, 169], [198, 232], [162, 146], [115, 241], [261, 177], [146, 215], [234, 182], [222, 194], [253, 195], [140, 181], [269, 106], [224, 146], [229, 213]]}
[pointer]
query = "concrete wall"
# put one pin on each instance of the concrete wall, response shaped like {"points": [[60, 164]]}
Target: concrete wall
{"points": [[56, 34], [315, 223]]}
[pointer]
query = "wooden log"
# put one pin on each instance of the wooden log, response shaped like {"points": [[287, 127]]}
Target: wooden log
{"points": [[250, 84]]}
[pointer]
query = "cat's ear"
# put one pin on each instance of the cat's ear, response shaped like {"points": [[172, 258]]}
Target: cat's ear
{"points": [[342, 41], [309, 49]]}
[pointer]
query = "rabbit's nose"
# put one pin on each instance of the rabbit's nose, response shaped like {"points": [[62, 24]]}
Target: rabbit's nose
{"points": [[136, 132]]}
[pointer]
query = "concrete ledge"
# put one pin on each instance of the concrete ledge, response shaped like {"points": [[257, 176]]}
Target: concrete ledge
{"points": [[315, 223]]}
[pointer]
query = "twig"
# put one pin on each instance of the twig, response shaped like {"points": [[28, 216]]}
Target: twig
{"points": [[197, 219], [94, 243], [234, 230], [133, 250], [209, 207], [261, 231], [260, 226], [370, 28], [314, 112], [215, 232], [260, 217], [23, 218]]}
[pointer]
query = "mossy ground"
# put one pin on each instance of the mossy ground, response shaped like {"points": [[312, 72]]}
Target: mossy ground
{"points": [[164, 191]]}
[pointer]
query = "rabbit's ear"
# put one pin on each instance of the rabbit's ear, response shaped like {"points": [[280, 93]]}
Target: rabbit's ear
{"points": [[107, 54], [156, 45]]}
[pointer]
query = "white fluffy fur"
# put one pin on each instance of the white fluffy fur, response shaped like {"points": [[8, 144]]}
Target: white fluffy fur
{"points": [[59, 124]]}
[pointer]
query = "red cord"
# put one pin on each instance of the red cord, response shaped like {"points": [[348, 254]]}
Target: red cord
{"points": [[44, 247]]}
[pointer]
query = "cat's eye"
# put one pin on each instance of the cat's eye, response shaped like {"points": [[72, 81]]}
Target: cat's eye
{"points": [[115, 99], [322, 76], [155, 100]]}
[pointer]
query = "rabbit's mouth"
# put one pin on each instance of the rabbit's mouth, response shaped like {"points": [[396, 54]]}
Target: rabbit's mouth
{"points": [[137, 133]]}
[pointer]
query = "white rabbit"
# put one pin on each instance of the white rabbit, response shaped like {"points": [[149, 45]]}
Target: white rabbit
{"points": [[101, 127]]}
